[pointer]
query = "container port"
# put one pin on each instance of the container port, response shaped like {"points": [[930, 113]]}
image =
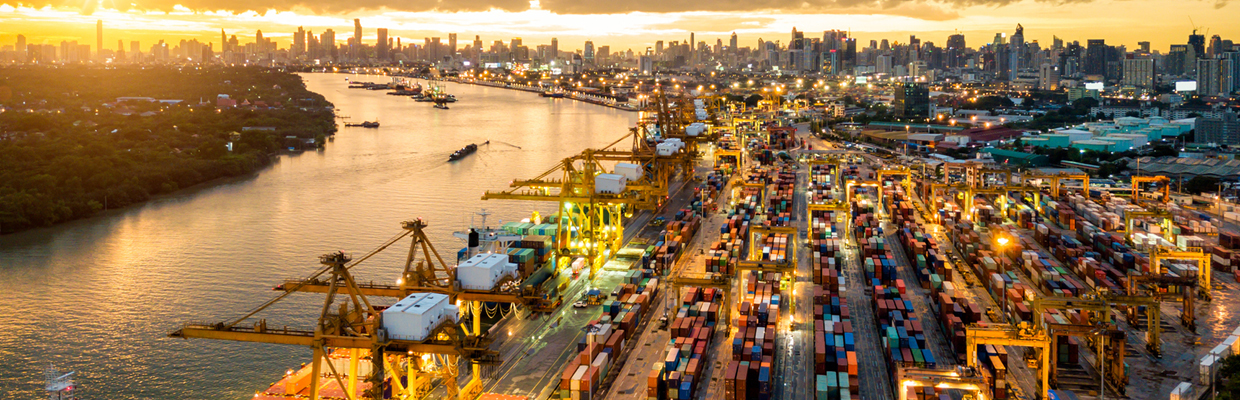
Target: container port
{"points": [[721, 257]]}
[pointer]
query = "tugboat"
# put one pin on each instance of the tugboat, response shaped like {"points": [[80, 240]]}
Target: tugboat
{"points": [[459, 154]]}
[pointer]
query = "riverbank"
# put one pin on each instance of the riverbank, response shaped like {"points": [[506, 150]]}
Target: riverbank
{"points": [[142, 136], [574, 95]]}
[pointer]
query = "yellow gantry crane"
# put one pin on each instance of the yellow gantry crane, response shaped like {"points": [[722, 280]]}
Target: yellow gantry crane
{"points": [[1110, 342], [1020, 336], [589, 222], [1137, 181], [1159, 253], [589, 218], [1102, 306], [349, 322], [1165, 222], [1187, 294], [1054, 180], [955, 378]]}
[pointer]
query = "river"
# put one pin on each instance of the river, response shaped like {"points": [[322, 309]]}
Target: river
{"points": [[98, 296]]}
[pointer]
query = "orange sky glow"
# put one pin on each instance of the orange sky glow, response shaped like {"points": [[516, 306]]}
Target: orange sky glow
{"points": [[1120, 22]]}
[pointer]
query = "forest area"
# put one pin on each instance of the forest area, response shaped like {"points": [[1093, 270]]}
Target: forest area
{"points": [[68, 150]]}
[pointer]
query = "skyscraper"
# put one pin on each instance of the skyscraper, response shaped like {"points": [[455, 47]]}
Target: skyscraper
{"points": [[588, 52], [912, 100], [1139, 73], [21, 46], [732, 43], [381, 46], [259, 44], [955, 51], [1197, 43], [328, 42], [299, 43], [99, 37], [357, 38], [1096, 57], [1214, 77], [555, 49], [223, 41], [1016, 51], [452, 45]]}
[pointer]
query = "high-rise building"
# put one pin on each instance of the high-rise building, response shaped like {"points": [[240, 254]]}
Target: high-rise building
{"points": [[1096, 57], [327, 41], [1214, 77], [587, 54], [357, 38], [555, 49], [658, 46], [99, 37], [1145, 47], [21, 48], [603, 54], [1139, 73], [381, 45], [912, 100], [732, 43], [1048, 77], [452, 45], [1225, 130], [1016, 51], [955, 51], [259, 44], [223, 42], [436, 49], [299, 43], [1197, 43]]}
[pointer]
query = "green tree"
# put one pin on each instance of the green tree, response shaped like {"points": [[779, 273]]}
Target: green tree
{"points": [[1201, 184]]}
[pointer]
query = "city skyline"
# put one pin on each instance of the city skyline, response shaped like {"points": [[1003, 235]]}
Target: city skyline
{"points": [[635, 31]]}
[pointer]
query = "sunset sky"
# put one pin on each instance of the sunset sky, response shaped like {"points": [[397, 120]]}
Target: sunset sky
{"points": [[628, 24]]}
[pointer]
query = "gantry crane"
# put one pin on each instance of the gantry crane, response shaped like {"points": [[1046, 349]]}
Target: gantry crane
{"points": [[1001, 191], [1137, 181], [1102, 305], [1158, 253], [832, 160], [1055, 180], [1023, 335], [426, 272], [588, 222], [707, 280], [955, 378], [356, 325], [1152, 213], [1187, 294], [978, 179], [1110, 341]]}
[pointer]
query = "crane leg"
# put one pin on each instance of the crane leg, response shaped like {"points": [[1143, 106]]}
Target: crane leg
{"points": [[315, 371], [354, 355]]}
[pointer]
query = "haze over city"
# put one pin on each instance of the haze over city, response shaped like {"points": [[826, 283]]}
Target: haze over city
{"points": [[624, 25]]}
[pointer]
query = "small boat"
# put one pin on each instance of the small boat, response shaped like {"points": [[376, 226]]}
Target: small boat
{"points": [[365, 124], [441, 106], [459, 154]]}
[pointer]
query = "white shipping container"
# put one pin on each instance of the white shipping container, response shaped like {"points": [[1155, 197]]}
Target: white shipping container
{"points": [[577, 376], [609, 183], [632, 172], [1205, 369], [413, 317], [483, 271]]}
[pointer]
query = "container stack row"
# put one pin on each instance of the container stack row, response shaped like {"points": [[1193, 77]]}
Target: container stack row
{"points": [[601, 348], [835, 354], [686, 356], [748, 375]]}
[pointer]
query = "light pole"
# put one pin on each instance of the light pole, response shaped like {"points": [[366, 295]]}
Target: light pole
{"points": [[1003, 241]]}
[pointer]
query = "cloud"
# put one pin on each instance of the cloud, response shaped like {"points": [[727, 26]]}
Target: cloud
{"points": [[317, 6], [930, 10]]}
